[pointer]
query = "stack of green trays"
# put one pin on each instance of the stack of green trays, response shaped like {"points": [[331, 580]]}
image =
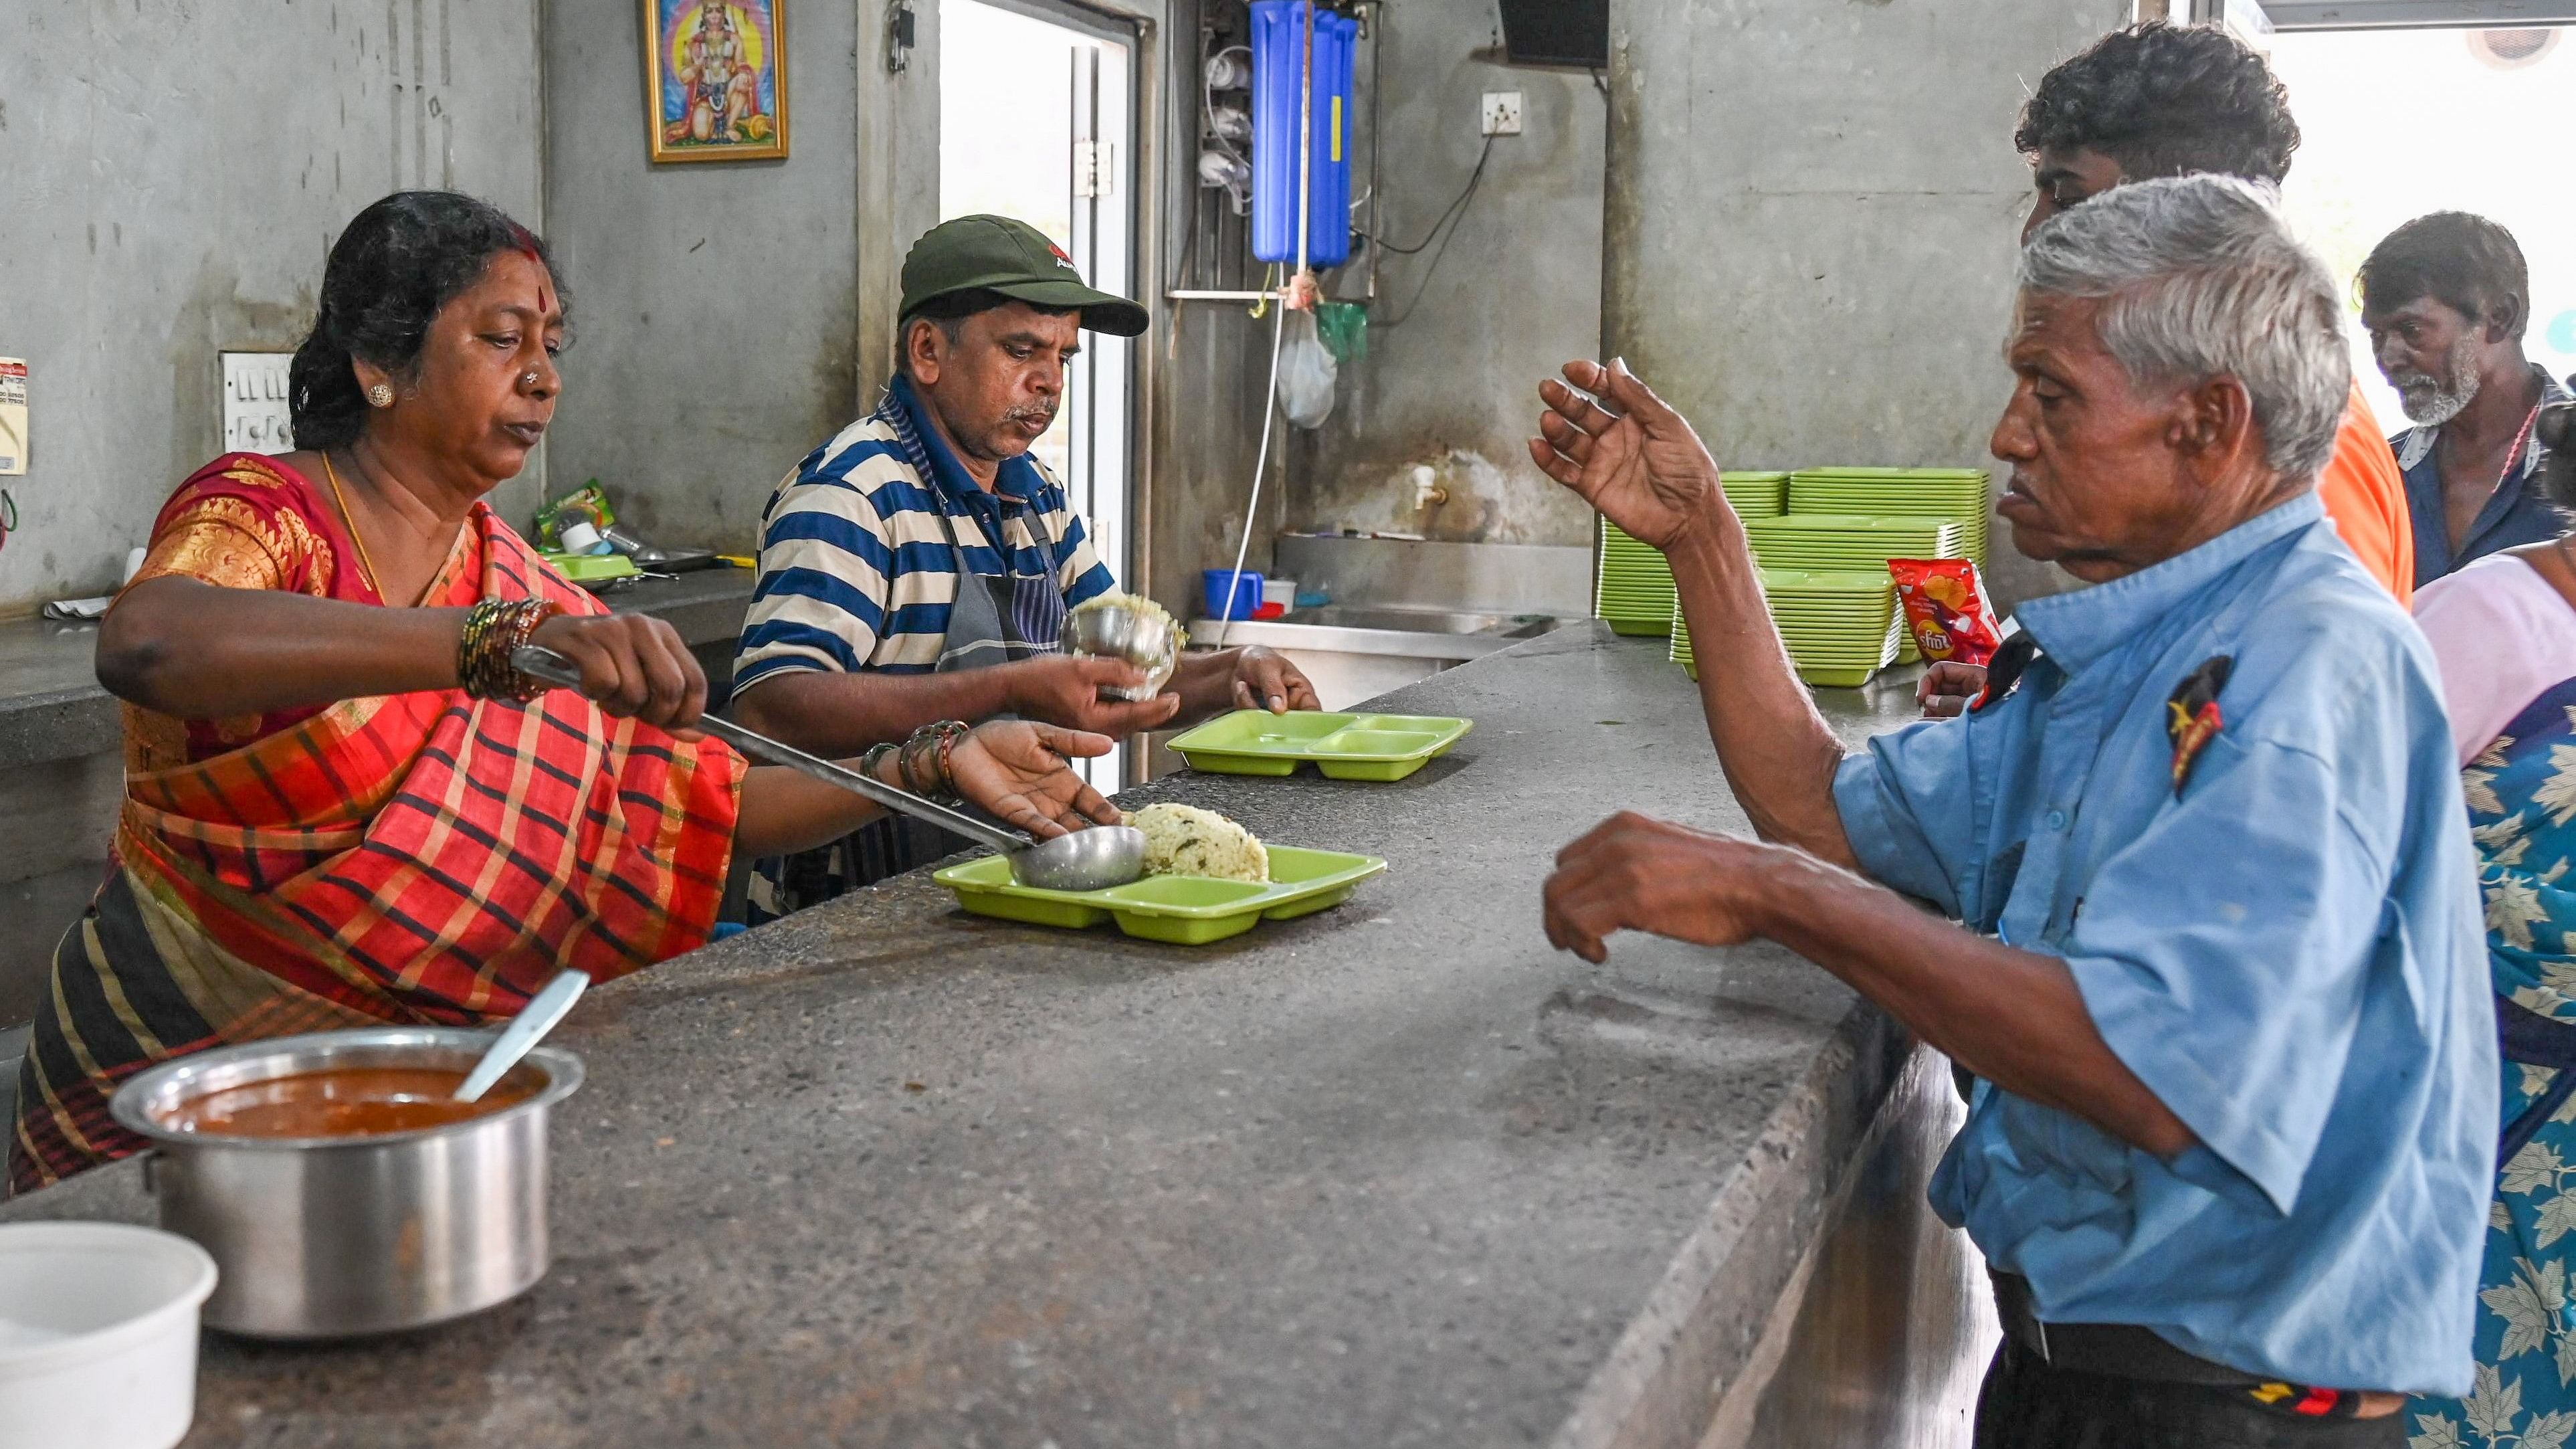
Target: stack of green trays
{"points": [[1957, 494], [1841, 626], [1849, 542], [1633, 587], [1756, 495], [1854, 542]]}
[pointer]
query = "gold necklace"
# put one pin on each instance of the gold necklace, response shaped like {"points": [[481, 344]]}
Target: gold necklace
{"points": [[368, 565]]}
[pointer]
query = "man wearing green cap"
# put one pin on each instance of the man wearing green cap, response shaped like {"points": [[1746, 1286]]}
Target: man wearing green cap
{"points": [[918, 567]]}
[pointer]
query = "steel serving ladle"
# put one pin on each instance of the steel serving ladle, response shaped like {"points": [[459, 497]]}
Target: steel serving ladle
{"points": [[1085, 860]]}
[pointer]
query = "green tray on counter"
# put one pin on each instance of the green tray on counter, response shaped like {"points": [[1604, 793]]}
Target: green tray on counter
{"points": [[1186, 910], [1343, 746]]}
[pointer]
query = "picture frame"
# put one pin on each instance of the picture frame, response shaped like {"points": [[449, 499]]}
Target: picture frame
{"points": [[715, 80]]}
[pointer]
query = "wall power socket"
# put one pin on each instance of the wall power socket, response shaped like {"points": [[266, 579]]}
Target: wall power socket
{"points": [[1501, 115]]}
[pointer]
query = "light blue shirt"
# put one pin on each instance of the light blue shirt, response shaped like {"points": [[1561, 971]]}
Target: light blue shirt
{"points": [[2289, 954]]}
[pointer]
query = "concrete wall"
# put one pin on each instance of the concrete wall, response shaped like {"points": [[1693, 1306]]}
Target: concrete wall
{"points": [[1451, 386], [1812, 210], [715, 304], [174, 175], [1456, 350], [56, 820]]}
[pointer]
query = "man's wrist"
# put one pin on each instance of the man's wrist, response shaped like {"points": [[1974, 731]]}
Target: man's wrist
{"points": [[1215, 671], [1772, 888], [1711, 535]]}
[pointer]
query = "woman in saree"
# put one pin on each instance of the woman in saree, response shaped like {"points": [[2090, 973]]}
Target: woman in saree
{"points": [[344, 807], [2504, 632]]}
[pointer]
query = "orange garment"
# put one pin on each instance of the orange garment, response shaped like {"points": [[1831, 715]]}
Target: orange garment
{"points": [[410, 858], [2365, 496]]}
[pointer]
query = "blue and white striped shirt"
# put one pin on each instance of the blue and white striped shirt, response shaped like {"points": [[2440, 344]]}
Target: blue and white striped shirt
{"points": [[856, 571]]}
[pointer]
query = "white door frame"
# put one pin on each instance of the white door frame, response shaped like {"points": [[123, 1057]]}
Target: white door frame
{"points": [[895, 196]]}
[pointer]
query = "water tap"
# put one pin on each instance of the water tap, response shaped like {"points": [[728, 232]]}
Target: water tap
{"points": [[1427, 490]]}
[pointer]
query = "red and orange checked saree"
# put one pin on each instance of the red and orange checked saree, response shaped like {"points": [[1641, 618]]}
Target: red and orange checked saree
{"points": [[416, 858]]}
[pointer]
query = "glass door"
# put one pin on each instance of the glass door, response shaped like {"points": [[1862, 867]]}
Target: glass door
{"points": [[1037, 120]]}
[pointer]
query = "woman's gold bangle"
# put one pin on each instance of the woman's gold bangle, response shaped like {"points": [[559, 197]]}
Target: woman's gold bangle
{"points": [[494, 630]]}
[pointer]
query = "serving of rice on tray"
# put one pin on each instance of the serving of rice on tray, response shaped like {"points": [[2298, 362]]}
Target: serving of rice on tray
{"points": [[1186, 840]]}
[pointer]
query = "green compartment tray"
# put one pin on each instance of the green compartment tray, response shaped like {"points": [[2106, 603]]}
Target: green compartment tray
{"points": [[592, 568], [1186, 910], [1343, 746]]}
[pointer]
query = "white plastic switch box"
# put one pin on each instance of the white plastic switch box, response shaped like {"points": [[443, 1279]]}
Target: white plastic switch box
{"points": [[13, 417], [1502, 114], [255, 416]]}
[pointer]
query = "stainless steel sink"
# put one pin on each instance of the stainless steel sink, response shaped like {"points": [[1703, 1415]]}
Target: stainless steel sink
{"points": [[1421, 621], [1354, 652]]}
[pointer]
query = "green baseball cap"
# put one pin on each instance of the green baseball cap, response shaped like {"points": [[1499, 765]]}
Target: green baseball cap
{"points": [[997, 254]]}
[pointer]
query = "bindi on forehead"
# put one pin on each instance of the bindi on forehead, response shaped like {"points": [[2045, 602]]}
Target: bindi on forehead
{"points": [[517, 282]]}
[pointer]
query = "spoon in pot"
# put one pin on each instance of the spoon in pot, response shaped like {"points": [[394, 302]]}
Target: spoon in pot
{"points": [[524, 1031], [1085, 860]]}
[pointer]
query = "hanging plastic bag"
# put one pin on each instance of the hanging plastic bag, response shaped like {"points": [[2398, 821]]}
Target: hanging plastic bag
{"points": [[1306, 373], [1344, 328]]}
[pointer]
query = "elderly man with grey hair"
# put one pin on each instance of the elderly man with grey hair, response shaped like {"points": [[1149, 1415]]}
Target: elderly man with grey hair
{"points": [[2221, 982]]}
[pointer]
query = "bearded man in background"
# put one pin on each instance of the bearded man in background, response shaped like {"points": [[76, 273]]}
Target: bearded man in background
{"points": [[2446, 298]]}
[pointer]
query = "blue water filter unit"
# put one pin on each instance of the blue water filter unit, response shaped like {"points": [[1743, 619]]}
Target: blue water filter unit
{"points": [[1278, 60]]}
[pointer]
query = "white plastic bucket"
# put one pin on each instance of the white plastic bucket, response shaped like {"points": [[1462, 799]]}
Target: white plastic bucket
{"points": [[98, 1335]]}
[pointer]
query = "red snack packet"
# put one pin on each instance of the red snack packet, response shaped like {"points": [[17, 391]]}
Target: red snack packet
{"points": [[1946, 608]]}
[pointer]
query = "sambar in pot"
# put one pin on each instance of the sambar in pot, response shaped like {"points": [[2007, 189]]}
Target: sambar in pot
{"points": [[338, 1189]]}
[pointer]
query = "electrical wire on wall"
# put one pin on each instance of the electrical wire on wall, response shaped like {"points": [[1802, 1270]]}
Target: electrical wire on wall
{"points": [[1442, 231], [1260, 465]]}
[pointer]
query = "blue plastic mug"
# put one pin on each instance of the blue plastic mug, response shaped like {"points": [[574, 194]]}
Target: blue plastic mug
{"points": [[1247, 593]]}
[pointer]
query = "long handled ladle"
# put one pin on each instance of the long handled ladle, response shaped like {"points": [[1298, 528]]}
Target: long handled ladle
{"points": [[1085, 860]]}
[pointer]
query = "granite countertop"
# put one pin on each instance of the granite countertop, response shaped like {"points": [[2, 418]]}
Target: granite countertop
{"points": [[52, 708], [1394, 1174]]}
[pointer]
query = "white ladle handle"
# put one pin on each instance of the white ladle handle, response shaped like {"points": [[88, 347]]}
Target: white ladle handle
{"points": [[523, 1033]]}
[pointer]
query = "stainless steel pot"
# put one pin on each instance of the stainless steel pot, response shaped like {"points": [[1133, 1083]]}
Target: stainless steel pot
{"points": [[334, 1237]]}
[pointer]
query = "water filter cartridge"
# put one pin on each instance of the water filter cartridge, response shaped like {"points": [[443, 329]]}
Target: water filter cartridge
{"points": [[1278, 62]]}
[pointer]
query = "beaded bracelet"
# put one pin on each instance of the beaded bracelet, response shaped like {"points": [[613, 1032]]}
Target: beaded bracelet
{"points": [[935, 742], [949, 732], [494, 629]]}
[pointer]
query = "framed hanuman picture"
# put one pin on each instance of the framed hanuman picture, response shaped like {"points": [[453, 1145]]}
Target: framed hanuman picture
{"points": [[717, 74]]}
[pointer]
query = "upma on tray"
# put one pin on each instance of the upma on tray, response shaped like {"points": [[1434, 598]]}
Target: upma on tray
{"points": [[1186, 840]]}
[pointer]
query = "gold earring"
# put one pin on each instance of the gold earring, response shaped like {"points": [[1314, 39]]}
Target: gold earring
{"points": [[381, 395]]}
